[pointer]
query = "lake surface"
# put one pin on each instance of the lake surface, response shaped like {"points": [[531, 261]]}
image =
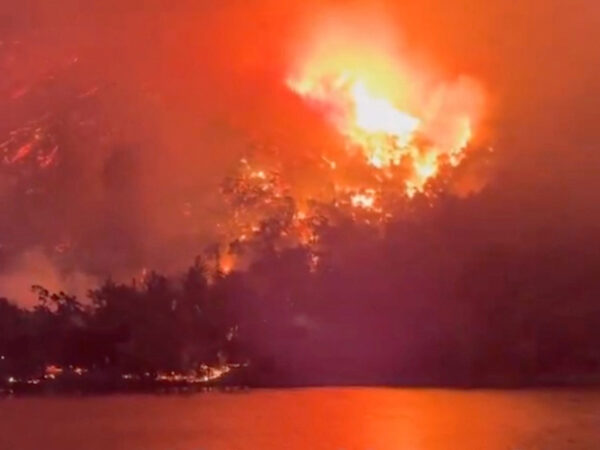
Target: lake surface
{"points": [[328, 418]]}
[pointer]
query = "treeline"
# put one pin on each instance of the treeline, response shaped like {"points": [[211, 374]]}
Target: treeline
{"points": [[149, 326], [447, 296]]}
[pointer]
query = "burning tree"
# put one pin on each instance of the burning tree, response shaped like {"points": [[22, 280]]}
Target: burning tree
{"points": [[404, 131]]}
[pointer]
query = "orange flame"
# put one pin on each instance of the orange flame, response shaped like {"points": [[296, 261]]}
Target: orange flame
{"points": [[227, 263], [401, 128], [393, 113], [364, 200]]}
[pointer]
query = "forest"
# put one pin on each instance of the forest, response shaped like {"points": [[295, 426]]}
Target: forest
{"points": [[443, 296]]}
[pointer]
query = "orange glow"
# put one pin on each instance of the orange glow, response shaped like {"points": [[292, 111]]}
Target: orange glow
{"points": [[393, 112], [260, 174], [378, 115], [401, 127], [364, 200], [227, 263]]}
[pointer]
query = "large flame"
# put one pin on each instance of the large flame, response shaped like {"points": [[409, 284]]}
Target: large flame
{"points": [[403, 127], [395, 114]]}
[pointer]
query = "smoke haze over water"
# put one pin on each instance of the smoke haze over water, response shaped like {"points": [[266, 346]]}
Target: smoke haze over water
{"points": [[150, 106]]}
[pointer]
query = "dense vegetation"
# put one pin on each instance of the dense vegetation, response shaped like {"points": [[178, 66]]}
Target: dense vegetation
{"points": [[429, 301]]}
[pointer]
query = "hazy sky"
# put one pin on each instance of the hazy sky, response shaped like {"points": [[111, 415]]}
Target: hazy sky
{"points": [[150, 105]]}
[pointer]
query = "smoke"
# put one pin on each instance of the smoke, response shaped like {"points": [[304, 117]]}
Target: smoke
{"points": [[133, 117], [34, 267]]}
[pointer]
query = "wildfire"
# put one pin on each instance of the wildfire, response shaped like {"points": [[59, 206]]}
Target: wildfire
{"points": [[403, 127], [31, 143], [363, 200], [394, 114], [227, 263]]}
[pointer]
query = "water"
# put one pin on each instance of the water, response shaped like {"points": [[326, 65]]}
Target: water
{"points": [[361, 418]]}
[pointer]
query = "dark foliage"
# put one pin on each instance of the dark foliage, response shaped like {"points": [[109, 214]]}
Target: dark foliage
{"points": [[426, 302]]}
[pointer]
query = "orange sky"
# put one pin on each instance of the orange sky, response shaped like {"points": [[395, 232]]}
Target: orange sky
{"points": [[185, 87]]}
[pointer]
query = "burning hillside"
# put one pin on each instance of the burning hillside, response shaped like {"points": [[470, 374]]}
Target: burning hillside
{"points": [[404, 130], [340, 123], [401, 118]]}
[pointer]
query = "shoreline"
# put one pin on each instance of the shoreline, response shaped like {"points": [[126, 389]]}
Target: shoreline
{"points": [[19, 390]]}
